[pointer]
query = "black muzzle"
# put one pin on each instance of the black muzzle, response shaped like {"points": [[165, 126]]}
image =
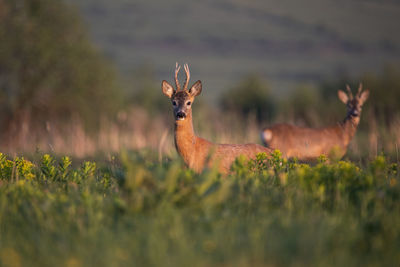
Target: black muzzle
{"points": [[355, 113], [180, 115]]}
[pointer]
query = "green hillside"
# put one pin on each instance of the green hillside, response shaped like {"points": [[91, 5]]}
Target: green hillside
{"points": [[287, 42]]}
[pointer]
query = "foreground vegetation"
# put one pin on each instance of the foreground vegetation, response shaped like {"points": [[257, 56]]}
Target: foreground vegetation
{"points": [[134, 210]]}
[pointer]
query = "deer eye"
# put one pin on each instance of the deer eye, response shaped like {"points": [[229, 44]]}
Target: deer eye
{"points": [[188, 103], [174, 103]]}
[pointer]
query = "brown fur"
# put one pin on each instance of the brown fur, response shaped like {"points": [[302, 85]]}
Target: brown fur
{"points": [[197, 152], [309, 143]]}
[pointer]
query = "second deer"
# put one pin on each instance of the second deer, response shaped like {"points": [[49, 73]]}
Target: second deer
{"points": [[309, 143], [197, 152]]}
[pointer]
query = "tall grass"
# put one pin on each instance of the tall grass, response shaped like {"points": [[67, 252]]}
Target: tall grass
{"points": [[136, 211], [137, 129]]}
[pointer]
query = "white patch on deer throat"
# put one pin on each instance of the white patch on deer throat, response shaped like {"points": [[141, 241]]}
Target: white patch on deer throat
{"points": [[267, 135]]}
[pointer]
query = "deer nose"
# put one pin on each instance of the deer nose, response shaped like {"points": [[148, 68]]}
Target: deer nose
{"points": [[180, 115]]}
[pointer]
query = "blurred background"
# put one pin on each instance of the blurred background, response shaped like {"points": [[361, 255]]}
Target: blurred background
{"points": [[83, 77]]}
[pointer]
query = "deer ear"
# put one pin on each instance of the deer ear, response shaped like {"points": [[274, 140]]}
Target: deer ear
{"points": [[195, 90], [342, 96], [167, 89], [364, 96]]}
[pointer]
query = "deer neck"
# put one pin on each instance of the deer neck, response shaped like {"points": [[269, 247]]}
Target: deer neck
{"points": [[349, 128], [185, 138]]}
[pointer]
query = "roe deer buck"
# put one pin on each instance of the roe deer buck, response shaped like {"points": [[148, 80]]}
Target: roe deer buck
{"points": [[309, 143], [197, 152]]}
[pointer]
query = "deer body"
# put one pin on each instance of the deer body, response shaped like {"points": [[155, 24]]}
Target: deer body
{"points": [[198, 152], [309, 143]]}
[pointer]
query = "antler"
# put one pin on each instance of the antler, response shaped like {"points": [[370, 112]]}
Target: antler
{"points": [[185, 86], [177, 68], [359, 90], [349, 91]]}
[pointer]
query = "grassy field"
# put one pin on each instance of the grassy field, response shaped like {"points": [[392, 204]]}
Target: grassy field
{"points": [[132, 210], [123, 197]]}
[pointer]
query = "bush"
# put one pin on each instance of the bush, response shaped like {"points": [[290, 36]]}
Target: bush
{"points": [[49, 70], [385, 92], [251, 96]]}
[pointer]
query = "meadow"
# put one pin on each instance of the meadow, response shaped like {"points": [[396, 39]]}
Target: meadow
{"points": [[89, 175], [132, 210]]}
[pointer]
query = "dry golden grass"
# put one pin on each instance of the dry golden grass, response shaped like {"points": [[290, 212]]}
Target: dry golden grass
{"points": [[137, 129]]}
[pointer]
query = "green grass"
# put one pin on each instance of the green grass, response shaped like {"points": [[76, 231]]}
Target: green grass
{"points": [[135, 211]]}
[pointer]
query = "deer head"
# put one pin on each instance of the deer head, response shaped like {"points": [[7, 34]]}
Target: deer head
{"points": [[182, 99], [354, 104]]}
